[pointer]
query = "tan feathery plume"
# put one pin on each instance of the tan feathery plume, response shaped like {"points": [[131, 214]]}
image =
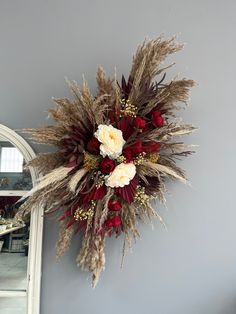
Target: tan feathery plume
{"points": [[105, 85], [154, 51], [76, 179], [64, 240], [153, 169], [54, 176], [47, 162], [168, 131], [169, 95], [146, 64], [51, 134], [92, 257]]}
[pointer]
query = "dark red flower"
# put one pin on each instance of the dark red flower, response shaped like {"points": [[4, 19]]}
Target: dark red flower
{"points": [[99, 193], [139, 123], [95, 194], [113, 222], [128, 154], [114, 205], [151, 147], [111, 116], [126, 126], [107, 165], [137, 147], [157, 119], [148, 127], [93, 145], [128, 191], [116, 221], [109, 223]]}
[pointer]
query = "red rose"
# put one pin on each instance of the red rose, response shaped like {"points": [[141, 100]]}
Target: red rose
{"points": [[114, 205], [113, 222], [139, 123], [128, 154], [93, 145], [116, 221], [151, 147], [137, 148], [109, 223], [157, 119], [148, 127], [107, 165]]}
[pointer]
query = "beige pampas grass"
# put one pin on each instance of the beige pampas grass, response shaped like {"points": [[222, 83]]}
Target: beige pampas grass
{"points": [[92, 257], [64, 240], [76, 179], [54, 176], [164, 170]]}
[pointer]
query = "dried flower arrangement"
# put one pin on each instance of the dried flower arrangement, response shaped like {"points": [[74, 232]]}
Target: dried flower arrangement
{"points": [[115, 151]]}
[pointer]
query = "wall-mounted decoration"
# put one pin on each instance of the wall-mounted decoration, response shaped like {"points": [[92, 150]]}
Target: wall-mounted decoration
{"points": [[115, 151]]}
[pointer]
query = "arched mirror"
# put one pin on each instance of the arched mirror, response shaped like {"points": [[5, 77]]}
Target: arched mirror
{"points": [[20, 245]]}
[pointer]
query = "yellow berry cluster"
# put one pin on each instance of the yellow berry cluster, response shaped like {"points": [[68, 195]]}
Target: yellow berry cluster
{"points": [[84, 214], [120, 159], [90, 161], [127, 109], [141, 197], [100, 181], [153, 157], [139, 160]]}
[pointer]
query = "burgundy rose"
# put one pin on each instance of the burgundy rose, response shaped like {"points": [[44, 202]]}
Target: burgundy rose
{"points": [[114, 205], [116, 221], [113, 222], [157, 119], [128, 154], [151, 147], [93, 145], [137, 148], [139, 123], [109, 223], [97, 193], [107, 165]]}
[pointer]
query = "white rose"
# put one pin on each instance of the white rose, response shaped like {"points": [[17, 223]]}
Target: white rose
{"points": [[121, 176], [111, 140]]}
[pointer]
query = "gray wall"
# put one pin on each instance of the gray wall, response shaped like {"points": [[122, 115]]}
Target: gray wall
{"points": [[191, 269]]}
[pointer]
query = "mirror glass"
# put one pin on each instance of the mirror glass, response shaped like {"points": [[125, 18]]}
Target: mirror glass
{"points": [[15, 180], [13, 174], [13, 306]]}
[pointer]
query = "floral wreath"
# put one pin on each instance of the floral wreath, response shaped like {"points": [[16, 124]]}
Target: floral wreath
{"points": [[115, 151]]}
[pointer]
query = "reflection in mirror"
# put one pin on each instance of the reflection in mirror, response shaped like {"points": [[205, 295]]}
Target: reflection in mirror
{"points": [[18, 294], [13, 306], [14, 239], [13, 174]]}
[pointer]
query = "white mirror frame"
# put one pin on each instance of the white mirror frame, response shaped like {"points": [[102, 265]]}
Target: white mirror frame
{"points": [[34, 272]]}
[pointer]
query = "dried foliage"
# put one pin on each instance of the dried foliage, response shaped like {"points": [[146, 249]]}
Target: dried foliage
{"points": [[74, 184]]}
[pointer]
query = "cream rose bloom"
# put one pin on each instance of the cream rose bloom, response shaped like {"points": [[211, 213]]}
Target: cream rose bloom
{"points": [[111, 140], [121, 176]]}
